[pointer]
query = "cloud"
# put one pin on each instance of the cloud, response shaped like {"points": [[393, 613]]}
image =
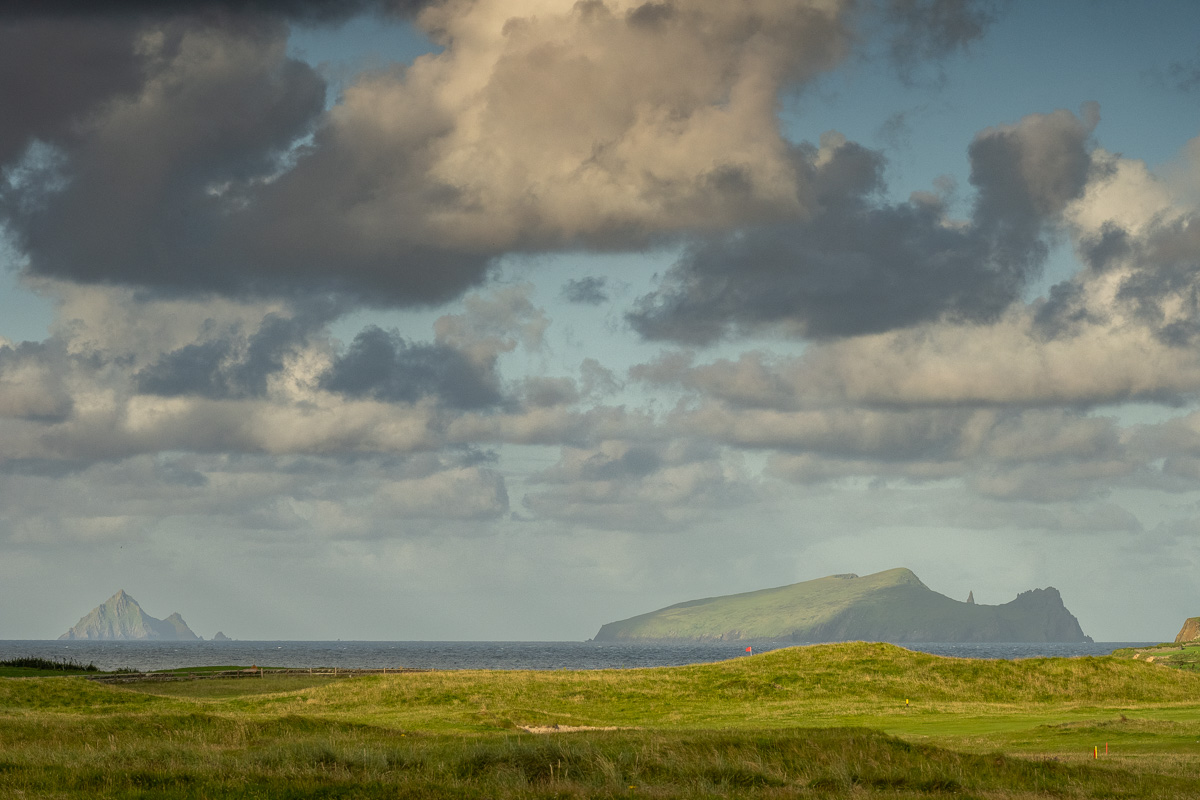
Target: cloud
{"points": [[494, 322], [124, 375], [32, 382], [638, 486], [299, 10], [924, 30], [586, 291], [380, 364], [893, 409], [189, 153], [140, 191], [860, 266], [229, 367], [598, 381], [1185, 75], [549, 392], [470, 493], [1139, 236], [273, 499], [1028, 456], [68, 68], [601, 125]]}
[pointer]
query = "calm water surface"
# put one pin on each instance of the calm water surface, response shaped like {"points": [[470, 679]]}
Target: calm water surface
{"points": [[467, 655]]}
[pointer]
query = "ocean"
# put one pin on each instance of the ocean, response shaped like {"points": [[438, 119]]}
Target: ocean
{"points": [[147, 655]]}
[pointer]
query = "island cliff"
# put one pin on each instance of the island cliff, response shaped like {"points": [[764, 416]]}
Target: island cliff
{"points": [[1190, 631], [120, 617], [890, 606]]}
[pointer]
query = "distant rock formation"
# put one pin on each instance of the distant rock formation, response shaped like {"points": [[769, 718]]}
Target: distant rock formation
{"points": [[220, 637], [971, 597], [122, 618], [1190, 631], [890, 606]]}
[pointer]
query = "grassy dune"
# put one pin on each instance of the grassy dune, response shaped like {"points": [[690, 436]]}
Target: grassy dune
{"points": [[820, 721]]}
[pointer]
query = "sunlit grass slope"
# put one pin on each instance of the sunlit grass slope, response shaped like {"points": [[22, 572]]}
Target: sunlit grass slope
{"points": [[891, 687], [783, 724], [865, 683]]}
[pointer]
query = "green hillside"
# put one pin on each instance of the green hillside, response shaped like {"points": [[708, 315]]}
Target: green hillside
{"points": [[858, 720], [893, 605]]}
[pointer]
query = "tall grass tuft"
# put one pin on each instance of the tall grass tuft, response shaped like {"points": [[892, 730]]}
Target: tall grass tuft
{"points": [[56, 665]]}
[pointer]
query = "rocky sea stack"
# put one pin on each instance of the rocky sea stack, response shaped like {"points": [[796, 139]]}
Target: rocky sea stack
{"points": [[890, 606], [122, 618]]}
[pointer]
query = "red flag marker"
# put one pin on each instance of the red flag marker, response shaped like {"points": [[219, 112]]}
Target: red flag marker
{"points": [[749, 649]]}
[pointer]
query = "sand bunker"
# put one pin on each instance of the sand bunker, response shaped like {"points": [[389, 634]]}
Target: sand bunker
{"points": [[566, 728]]}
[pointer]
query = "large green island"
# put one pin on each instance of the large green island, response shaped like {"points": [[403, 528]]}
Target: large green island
{"points": [[890, 606]]}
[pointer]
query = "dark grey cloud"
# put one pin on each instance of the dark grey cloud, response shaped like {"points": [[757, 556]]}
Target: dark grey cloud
{"points": [[58, 71], [197, 369], [1063, 312], [380, 364], [1185, 75], [74, 55], [315, 226], [861, 266], [301, 10], [650, 15], [200, 159], [587, 291], [175, 171], [138, 194], [159, 125], [634, 463], [549, 392], [923, 30], [1099, 252], [202, 177], [226, 367]]}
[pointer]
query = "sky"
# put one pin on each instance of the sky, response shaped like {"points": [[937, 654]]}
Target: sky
{"points": [[504, 319]]}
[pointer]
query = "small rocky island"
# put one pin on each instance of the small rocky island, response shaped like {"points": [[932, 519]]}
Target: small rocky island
{"points": [[120, 617], [890, 606]]}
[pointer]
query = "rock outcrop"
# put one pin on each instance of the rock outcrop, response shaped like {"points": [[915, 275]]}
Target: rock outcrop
{"points": [[1190, 631], [120, 617], [890, 606]]}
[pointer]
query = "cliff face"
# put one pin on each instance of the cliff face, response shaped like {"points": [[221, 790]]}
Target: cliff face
{"points": [[1190, 631], [891, 606], [120, 617]]}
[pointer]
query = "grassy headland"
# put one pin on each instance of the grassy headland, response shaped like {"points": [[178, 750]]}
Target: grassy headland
{"points": [[820, 721]]}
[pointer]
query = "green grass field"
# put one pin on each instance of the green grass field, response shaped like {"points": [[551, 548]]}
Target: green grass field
{"points": [[821, 721]]}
